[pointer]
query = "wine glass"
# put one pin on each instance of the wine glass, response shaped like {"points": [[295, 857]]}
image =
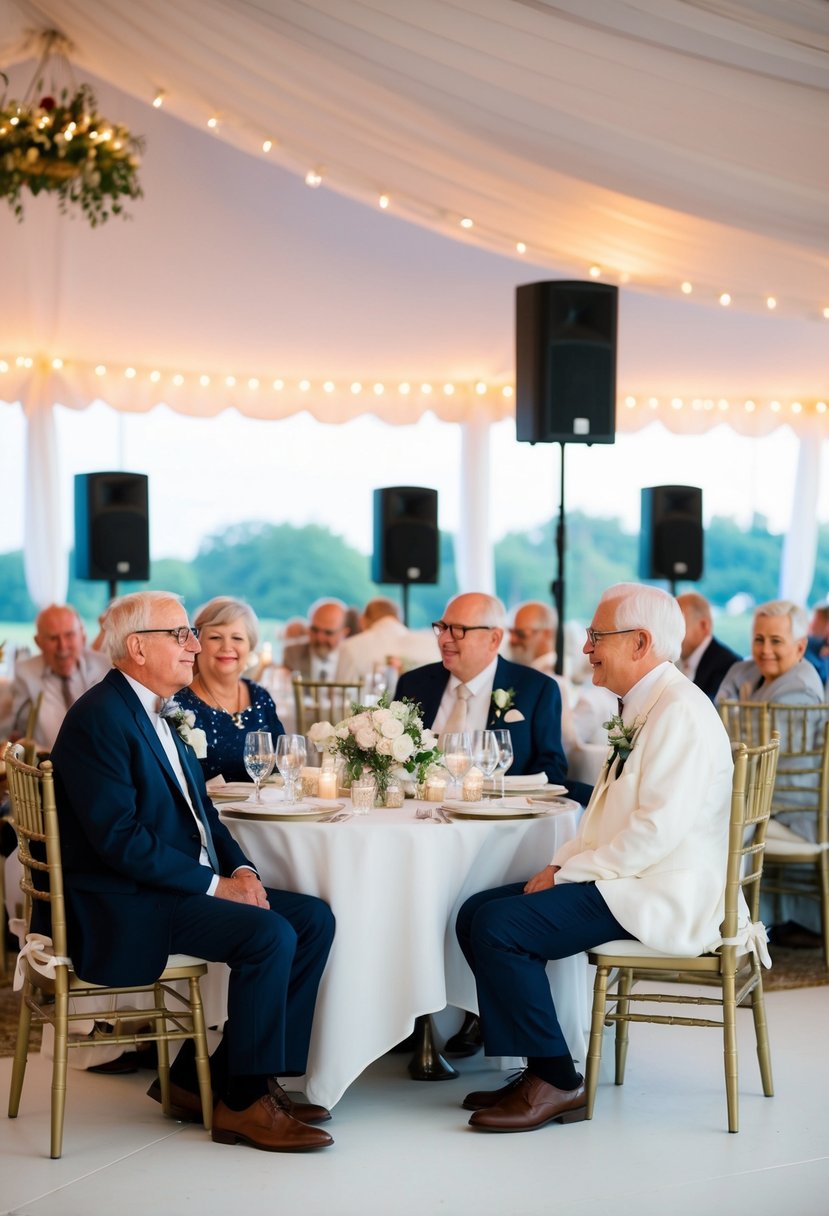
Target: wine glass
{"points": [[290, 759], [505, 755], [259, 757], [485, 752], [457, 756]]}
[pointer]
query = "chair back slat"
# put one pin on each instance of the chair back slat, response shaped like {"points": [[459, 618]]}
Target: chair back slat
{"points": [[323, 700], [751, 799]]}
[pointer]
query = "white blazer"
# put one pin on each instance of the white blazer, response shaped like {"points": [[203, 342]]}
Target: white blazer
{"points": [[655, 838]]}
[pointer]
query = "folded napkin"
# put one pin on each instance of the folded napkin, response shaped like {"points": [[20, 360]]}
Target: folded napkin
{"points": [[523, 781]]}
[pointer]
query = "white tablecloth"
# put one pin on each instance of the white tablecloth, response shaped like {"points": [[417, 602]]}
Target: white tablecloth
{"points": [[395, 885]]}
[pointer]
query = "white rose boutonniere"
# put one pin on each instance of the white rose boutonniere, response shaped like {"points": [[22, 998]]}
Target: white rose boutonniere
{"points": [[621, 738], [184, 721], [504, 701]]}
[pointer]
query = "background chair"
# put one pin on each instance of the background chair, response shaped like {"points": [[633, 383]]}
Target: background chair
{"points": [[734, 969], [323, 700], [49, 980], [796, 862]]}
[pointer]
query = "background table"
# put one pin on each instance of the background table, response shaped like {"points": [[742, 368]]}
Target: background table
{"points": [[395, 884]]}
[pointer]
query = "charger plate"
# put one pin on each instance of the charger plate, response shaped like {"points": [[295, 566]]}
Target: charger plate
{"points": [[510, 808], [306, 812]]}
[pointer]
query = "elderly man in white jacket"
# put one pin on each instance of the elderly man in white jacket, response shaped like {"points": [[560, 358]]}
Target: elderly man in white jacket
{"points": [[648, 860]]}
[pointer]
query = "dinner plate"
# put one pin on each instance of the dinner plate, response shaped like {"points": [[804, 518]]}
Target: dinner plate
{"points": [[234, 790], [510, 808], [307, 812]]}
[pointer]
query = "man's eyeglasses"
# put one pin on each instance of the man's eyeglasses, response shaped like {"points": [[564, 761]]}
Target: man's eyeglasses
{"points": [[181, 634], [326, 633], [523, 634], [596, 635], [457, 632]]}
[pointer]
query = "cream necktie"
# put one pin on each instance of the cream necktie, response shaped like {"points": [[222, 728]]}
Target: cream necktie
{"points": [[460, 710]]}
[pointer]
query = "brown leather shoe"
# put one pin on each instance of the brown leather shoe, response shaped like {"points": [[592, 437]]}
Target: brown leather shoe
{"points": [[531, 1104], [482, 1099], [184, 1104], [267, 1126], [306, 1112]]}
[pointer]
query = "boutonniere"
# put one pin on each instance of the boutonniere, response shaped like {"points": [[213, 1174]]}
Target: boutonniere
{"points": [[504, 701], [184, 720], [620, 738]]}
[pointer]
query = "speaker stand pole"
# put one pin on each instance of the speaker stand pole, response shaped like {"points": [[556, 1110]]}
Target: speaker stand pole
{"points": [[405, 594], [557, 587], [113, 590]]}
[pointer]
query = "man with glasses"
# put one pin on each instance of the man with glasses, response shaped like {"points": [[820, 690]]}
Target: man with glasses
{"points": [[648, 861], [151, 870], [316, 659]]}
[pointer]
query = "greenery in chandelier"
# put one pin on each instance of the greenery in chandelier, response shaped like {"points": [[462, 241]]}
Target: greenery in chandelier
{"points": [[65, 146]]}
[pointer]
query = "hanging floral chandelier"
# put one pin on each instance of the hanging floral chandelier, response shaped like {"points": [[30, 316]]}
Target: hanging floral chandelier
{"points": [[63, 145]]}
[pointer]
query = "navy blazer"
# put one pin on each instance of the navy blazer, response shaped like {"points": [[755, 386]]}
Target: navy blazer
{"points": [[536, 739], [715, 662], [129, 842]]}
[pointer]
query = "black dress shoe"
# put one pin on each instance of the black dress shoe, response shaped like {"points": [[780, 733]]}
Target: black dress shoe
{"points": [[468, 1040], [793, 936], [125, 1063]]}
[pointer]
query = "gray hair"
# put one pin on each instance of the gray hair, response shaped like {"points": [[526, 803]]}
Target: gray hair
{"points": [[129, 614], [798, 616], [644, 607], [224, 610]]}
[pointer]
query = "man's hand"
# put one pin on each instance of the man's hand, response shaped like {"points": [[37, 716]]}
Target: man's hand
{"points": [[542, 881], [243, 888]]}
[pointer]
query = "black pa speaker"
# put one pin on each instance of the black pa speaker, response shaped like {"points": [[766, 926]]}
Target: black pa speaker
{"points": [[565, 362], [671, 539], [112, 536], [406, 538]]}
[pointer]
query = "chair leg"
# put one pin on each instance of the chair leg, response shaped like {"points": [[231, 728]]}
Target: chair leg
{"points": [[21, 1051], [59, 1070], [163, 1049], [761, 1034], [824, 904], [202, 1058], [622, 1009], [594, 1049], [729, 1008]]}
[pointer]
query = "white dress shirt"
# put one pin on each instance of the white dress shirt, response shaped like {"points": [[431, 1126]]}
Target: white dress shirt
{"points": [[478, 705], [689, 666]]}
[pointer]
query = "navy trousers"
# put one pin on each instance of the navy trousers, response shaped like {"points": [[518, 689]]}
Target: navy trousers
{"points": [[276, 957], [507, 938]]}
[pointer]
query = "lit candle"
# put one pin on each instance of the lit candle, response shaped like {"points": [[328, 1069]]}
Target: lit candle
{"points": [[310, 782], [435, 789], [327, 783]]}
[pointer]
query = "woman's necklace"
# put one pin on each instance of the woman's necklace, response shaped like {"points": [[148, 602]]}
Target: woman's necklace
{"points": [[236, 718]]}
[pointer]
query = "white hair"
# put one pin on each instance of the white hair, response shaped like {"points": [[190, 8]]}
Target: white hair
{"points": [[129, 614], [798, 616], [641, 606]]}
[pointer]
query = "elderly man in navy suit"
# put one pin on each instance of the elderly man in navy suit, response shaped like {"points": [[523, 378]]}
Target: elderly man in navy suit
{"points": [[150, 869], [475, 689]]}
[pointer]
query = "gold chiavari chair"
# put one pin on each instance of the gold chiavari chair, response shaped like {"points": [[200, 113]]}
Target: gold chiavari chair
{"points": [[50, 981], [796, 862], [323, 700], [734, 969]]}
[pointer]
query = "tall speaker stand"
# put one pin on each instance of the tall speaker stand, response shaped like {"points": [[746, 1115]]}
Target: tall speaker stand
{"points": [[405, 598], [113, 590], [557, 586]]}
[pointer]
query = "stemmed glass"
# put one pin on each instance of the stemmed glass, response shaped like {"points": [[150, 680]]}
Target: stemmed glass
{"points": [[457, 757], [259, 758], [505, 756], [290, 759], [485, 752]]}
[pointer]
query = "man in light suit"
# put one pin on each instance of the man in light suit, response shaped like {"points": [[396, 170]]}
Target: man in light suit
{"points": [[150, 870], [648, 861]]}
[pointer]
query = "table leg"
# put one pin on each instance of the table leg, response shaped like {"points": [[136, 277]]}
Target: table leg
{"points": [[427, 1064]]}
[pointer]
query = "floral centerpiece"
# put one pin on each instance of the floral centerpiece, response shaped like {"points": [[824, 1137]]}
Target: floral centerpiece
{"points": [[380, 739], [67, 147]]}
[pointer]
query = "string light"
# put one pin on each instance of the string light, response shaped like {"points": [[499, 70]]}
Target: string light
{"points": [[466, 222], [213, 122], [204, 381], [129, 373], [686, 288], [771, 303], [520, 247], [313, 178], [725, 299], [158, 100], [383, 202], [178, 379], [267, 145], [57, 364], [595, 272]]}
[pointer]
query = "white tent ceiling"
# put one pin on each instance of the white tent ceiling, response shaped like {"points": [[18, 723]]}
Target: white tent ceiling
{"points": [[660, 141]]}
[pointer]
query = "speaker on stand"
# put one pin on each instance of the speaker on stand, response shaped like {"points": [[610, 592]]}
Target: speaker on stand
{"points": [[406, 538], [671, 539], [112, 527], [565, 381]]}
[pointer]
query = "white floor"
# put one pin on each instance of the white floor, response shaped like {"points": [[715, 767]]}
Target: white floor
{"points": [[656, 1145]]}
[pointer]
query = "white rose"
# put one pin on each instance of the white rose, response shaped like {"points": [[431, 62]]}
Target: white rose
{"points": [[378, 717], [392, 728], [320, 731], [366, 738], [342, 731], [428, 740], [402, 747], [198, 741], [358, 723], [384, 747], [500, 696], [399, 709], [189, 717]]}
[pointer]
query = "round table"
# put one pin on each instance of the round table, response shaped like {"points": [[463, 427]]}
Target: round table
{"points": [[395, 884]]}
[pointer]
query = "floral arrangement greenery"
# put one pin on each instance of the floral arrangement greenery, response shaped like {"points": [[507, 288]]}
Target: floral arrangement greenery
{"points": [[380, 738], [68, 148], [620, 738]]}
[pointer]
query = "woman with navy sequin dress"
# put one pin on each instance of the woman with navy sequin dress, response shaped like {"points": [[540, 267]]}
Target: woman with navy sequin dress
{"points": [[226, 705]]}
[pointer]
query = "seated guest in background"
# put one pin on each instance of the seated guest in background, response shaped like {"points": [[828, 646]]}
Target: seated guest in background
{"points": [[383, 642], [149, 869], [62, 671], [817, 645], [226, 705], [648, 862], [532, 641], [777, 670], [703, 659], [316, 659]]}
